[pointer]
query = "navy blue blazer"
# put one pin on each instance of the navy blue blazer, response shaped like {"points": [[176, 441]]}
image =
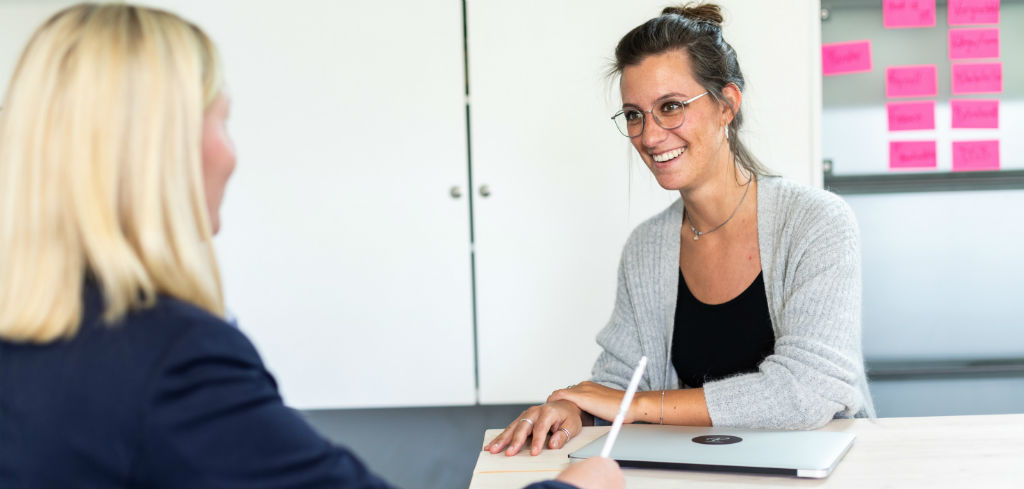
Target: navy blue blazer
{"points": [[170, 396]]}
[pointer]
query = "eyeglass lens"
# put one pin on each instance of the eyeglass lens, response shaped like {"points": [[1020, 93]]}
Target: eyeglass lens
{"points": [[668, 114]]}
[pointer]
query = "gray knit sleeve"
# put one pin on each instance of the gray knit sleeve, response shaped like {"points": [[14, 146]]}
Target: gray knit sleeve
{"points": [[816, 368]]}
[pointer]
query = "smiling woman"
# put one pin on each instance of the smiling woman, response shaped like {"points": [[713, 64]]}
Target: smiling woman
{"points": [[744, 293]]}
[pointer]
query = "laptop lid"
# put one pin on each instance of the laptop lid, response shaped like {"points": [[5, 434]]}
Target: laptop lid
{"points": [[797, 453]]}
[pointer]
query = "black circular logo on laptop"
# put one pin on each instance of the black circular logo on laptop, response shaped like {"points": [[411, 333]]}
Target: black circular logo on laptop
{"points": [[717, 439]]}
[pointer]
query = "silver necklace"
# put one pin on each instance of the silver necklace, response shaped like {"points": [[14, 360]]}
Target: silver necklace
{"points": [[697, 234]]}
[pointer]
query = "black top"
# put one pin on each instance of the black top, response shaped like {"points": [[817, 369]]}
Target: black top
{"points": [[711, 342], [170, 396]]}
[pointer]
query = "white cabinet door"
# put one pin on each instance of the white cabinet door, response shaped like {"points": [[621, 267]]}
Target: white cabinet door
{"points": [[566, 188], [344, 256]]}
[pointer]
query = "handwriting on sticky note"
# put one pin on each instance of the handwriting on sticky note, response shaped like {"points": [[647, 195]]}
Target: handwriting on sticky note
{"points": [[908, 13], [911, 154], [908, 116], [975, 155], [841, 58], [975, 114], [974, 43], [911, 81], [970, 12], [977, 78]]}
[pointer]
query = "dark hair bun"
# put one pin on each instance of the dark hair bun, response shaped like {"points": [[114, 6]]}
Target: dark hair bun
{"points": [[706, 12]]}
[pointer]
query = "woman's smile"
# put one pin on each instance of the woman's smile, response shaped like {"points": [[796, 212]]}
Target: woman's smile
{"points": [[666, 158]]}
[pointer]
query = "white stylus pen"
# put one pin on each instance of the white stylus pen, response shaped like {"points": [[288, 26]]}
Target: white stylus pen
{"points": [[626, 400]]}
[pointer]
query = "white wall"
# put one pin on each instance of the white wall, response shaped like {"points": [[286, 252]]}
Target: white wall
{"points": [[778, 44]]}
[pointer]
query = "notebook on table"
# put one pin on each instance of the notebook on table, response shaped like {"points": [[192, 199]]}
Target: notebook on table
{"points": [[797, 453]]}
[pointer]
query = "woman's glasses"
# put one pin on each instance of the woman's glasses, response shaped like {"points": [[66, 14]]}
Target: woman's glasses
{"points": [[669, 114]]}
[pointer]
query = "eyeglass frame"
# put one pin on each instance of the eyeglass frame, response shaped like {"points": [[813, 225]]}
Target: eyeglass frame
{"points": [[643, 120]]}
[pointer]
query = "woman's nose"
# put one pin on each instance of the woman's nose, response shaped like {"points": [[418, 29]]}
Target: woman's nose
{"points": [[653, 133]]}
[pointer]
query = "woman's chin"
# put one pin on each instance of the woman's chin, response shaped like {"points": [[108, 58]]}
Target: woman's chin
{"points": [[671, 181]]}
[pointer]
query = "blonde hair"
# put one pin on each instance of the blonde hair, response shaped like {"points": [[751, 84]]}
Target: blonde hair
{"points": [[100, 169]]}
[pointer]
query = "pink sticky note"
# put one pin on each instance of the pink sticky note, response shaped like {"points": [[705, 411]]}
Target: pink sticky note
{"points": [[907, 116], [911, 154], [840, 58], [911, 81], [970, 12], [975, 155], [975, 114], [977, 78], [908, 13], [974, 43]]}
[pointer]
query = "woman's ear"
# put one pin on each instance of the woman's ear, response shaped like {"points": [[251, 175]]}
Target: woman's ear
{"points": [[734, 98]]}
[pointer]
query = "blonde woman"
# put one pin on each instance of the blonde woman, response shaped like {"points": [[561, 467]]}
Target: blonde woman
{"points": [[116, 366]]}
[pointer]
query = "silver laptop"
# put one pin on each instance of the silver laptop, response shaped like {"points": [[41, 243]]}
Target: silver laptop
{"points": [[800, 453]]}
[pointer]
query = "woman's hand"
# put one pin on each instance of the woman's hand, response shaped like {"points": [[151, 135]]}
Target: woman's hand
{"points": [[603, 402], [594, 472], [560, 418]]}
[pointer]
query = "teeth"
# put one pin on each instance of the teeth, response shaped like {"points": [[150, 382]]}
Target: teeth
{"points": [[669, 155]]}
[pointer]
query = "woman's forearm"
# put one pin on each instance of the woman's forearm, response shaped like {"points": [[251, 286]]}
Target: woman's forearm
{"points": [[686, 407]]}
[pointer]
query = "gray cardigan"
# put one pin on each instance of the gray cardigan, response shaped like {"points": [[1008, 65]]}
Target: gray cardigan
{"points": [[810, 257]]}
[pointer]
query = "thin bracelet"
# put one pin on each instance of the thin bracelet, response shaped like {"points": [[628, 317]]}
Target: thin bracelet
{"points": [[661, 417]]}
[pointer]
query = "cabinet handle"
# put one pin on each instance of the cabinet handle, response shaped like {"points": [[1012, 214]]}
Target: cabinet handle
{"points": [[456, 192], [485, 191]]}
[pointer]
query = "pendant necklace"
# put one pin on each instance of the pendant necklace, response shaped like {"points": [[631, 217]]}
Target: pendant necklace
{"points": [[697, 234]]}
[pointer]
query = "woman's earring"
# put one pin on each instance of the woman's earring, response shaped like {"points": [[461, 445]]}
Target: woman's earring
{"points": [[726, 132]]}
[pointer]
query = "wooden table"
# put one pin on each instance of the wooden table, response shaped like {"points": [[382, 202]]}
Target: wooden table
{"points": [[936, 452]]}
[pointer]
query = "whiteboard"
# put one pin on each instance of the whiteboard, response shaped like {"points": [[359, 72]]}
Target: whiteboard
{"points": [[855, 133]]}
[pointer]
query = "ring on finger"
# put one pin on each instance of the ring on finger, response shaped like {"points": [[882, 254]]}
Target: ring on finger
{"points": [[567, 435], [528, 420]]}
